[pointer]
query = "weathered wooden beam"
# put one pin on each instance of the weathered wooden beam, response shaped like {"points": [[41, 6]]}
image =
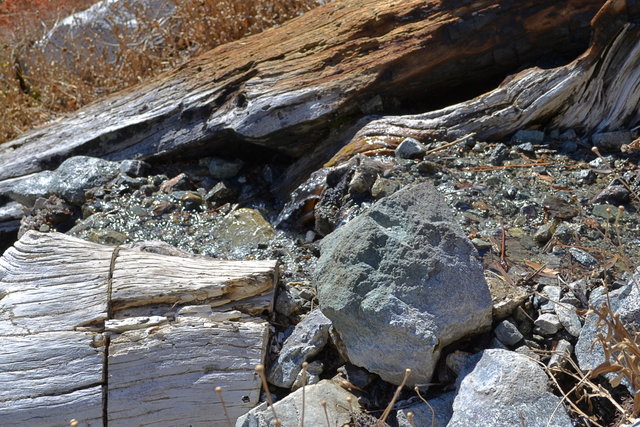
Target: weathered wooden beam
{"points": [[600, 91], [290, 87], [62, 297]]}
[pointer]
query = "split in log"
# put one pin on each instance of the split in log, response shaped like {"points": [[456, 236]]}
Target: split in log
{"points": [[600, 91], [290, 87], [60, 297]]}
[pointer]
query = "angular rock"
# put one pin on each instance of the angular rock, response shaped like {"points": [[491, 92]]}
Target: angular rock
{"points": [[134, 168], [423, 415], [569, 319], [400, 282], [224, 169], [524, 136], [507, 333], [410, 148], [547, 324], [308, 339], [289, 409], [583, 257], [505, 388], [624, 302]]}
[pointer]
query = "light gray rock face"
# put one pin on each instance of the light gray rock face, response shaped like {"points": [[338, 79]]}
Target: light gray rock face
{"points": [[503, 388], [307, 340], [410, 148], [424, 416], [289, 409], [70, 181], [400, 282], [626, 303]]}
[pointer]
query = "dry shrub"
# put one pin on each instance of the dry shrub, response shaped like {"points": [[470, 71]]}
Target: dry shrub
{"points": [[34, 89]]}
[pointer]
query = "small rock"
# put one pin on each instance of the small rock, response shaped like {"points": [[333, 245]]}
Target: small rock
{"points": [[357, 376], [178, 182], [437, 414], [384, 187], [364, 176], [545, 232], [569, 147], [613, 194], [224, 169], [611, 140], [561, 353], [505, 297], [527, 147], [507, 333], [410, 148], [481, 244], [219, 194], [504, 388], [569, 319], [314, 370], [586, 176], [499, 153], [428, 167], [551, 294], [530, 136], [583, 257], [244, 228], [457, 360], [288, 301], [547, 324], [599, 163], [568, 134], [289, 409], [308, 339], [133, 168]]}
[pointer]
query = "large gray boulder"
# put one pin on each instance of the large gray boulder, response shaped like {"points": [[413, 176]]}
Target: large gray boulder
{"points": [[400, 282], [501, 388], [624, 302]]}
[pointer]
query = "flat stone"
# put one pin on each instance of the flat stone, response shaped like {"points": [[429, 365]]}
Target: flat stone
{"points": [[507, 333], [400, 282], [410, 148], [308, 339], [547, 324], [531, 136], [504, 388], [611, 140], [438, 415], [289, 409], [569, 319]]}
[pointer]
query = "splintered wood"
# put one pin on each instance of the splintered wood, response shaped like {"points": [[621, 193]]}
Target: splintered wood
{"points": [[66, 303]]}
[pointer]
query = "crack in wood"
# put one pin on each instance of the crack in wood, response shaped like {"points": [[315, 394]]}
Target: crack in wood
{"points": [[107, 338]]}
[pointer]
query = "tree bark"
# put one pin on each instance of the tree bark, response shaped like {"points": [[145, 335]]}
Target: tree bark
{"points": [[599, 91], [290, 87]]}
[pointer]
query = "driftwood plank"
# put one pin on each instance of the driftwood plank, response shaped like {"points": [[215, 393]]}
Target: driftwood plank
{"points": [[166, 375], [142, 278], [52, 282], [289, 87], [56, 301], [50, 377]]}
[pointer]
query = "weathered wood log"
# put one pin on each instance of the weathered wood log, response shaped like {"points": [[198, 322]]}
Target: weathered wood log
{"points": [[290, 87], [60, 300], [600, 91]]}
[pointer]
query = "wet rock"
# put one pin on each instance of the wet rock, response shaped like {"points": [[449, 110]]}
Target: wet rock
{"points": [[528, 136], [244, 227], [134, 168], [224, 169], [611, 140], [70, 181], [547, 324], [505, 388], [400, 282], [583, 257], [624, 302], [507, 333], [438, 415], [410, 148], [219, 194], [289, 409], [308, 339]]}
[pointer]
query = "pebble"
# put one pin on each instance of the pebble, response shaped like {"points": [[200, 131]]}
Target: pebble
{"points": [[547, 324], [583, 257], [410, 148], [507, 333]]}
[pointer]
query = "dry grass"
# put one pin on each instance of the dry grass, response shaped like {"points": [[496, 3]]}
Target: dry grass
{"points": [[34, 90]]}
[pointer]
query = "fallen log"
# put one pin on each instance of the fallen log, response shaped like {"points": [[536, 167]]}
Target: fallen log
{"points": [[290, 87], [65, 304], [599, 91]]}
